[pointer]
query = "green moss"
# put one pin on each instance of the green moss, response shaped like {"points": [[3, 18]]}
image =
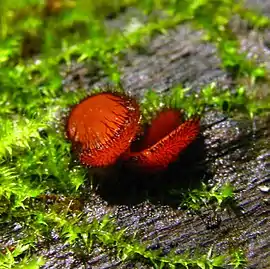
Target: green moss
{"points": [[210, 97], [217, 30], [238, 259], [83, 236], [35, 44], [8, 258], [215, 198]]}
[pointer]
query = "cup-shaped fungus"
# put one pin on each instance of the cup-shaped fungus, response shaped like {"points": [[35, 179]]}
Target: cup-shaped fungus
{"points": [[162, 142], [102, 126]]}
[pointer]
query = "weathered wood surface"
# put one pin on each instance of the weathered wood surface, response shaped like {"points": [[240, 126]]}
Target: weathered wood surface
{"points": [[234, 150]]}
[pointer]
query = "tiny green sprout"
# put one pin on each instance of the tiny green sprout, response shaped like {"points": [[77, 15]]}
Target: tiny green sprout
{"points": [[219, 197], [223, 194], [9, 49], [151, 103], [34, 262], [178, 97], [258, 73], [254, 18], [152, 100], [208, 92], [115, 76], [77, 176], [10, 258], [240, 91], [238, 259]]}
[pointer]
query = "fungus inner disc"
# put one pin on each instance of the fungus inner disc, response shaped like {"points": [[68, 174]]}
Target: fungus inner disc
{"points": [[102, 127], [164, 123]]}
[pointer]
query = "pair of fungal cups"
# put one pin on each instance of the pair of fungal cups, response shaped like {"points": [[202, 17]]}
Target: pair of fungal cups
{"points": [[104, 128]]}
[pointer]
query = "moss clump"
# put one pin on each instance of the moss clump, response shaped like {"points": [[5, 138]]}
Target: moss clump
{"points": [[210, 97]]}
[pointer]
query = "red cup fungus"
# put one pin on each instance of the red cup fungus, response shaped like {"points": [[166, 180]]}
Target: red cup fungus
{"points": [[164, 139], [102, 129], [102, 126]]}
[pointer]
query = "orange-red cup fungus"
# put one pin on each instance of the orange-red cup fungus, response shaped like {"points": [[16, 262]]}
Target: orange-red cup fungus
{"points": [[164, 139], [102, 126]]}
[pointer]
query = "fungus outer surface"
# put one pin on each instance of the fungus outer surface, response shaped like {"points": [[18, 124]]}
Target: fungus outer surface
{"points": [[102, 126], [166, 150]]}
